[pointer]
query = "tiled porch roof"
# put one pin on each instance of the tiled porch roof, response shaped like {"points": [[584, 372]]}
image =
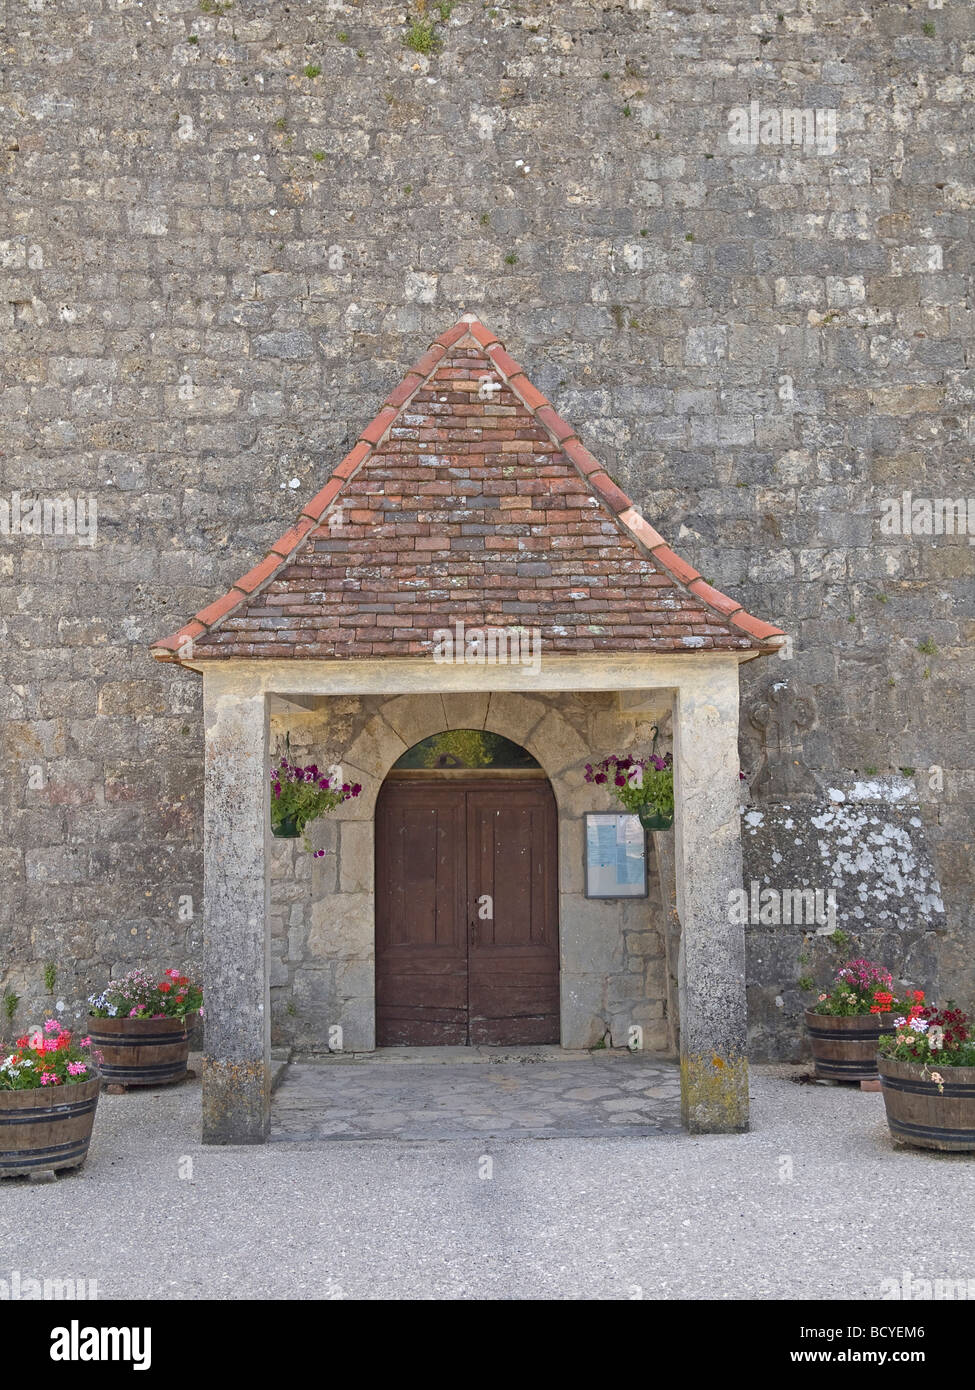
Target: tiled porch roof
{"points": [[473, 504]]}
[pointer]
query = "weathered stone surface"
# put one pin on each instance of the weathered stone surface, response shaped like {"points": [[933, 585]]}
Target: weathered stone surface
{"points": [[714, 1070], [610, 950], [866, 853], [236, 1078], [200, 264]]}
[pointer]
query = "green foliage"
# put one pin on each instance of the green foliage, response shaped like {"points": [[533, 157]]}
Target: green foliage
{"points": [[639, 784], [11, 1002], [342, 36], [138, 995], [50, 976], [318, 156], [927, 647], [840, 938], [422, 36], [511, 259], [446, 9], [939, 1037], [312, 70], [485, 219], [928, 28], [472, 748], [805, 983], [302, 794], [908, 771], [627, 110], [216, 7], [860, 987], [192, 38], [48, 1058]]}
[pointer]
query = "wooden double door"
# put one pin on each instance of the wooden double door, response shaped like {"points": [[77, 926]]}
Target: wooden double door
{"points": [[467, 941]]}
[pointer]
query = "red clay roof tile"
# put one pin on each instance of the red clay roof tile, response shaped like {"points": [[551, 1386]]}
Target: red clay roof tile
{"points": [[553, 422], [474, 506], [614, 497], [526, 392]]}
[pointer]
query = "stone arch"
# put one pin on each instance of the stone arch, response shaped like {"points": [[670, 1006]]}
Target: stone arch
{"points": [[405, 720], [606, 947], [343, 916]]}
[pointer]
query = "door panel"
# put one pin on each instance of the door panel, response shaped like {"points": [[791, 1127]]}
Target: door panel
{"points": [[445, 974], [513, 963], [421, 939]]}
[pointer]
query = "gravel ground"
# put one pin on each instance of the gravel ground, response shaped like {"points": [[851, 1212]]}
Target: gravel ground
{"points": [[814, 1202]]}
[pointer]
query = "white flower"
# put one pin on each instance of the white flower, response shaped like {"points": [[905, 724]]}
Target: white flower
{"points": [[919, 1025], [900, 1022]]}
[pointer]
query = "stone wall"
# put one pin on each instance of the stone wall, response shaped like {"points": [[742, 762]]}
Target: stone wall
{"points": [[230, 228], [613, 952], [865, 851]]}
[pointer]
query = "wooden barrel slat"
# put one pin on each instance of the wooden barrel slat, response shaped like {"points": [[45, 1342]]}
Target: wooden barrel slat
{"points": [[845, 1049], [919, 1114], [141, 1051], [46, 1127]]}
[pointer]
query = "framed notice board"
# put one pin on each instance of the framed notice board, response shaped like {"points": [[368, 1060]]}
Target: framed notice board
{"points": [[616, 856]]}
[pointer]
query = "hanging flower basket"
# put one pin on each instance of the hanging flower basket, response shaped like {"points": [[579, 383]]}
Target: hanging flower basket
{"points": [[300, 795], [285, 827], [645, 786]]}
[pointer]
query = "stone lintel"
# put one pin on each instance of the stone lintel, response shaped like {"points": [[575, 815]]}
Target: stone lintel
{"points": [[423, 676]]}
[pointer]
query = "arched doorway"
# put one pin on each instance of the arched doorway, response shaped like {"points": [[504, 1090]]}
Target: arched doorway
{"points": [[467, 939]]}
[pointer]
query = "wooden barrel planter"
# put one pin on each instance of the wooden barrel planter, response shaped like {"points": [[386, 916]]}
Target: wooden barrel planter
{"points": [[845, 1049], [46, 1127], [141, 1051], [919, 1113]]}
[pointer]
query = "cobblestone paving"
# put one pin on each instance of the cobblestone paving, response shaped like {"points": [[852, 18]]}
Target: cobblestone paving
{"points": [[490, 1092]]}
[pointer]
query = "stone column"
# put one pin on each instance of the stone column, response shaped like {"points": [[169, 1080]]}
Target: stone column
{"points": [[713, 1064], [237, 1014]]}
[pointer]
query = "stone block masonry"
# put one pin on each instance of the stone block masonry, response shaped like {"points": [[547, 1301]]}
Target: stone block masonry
{"points": [[213, 263], [615, 954]]}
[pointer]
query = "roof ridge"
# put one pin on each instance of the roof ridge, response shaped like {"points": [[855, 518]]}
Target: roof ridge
{"points": [[626, 514]]}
